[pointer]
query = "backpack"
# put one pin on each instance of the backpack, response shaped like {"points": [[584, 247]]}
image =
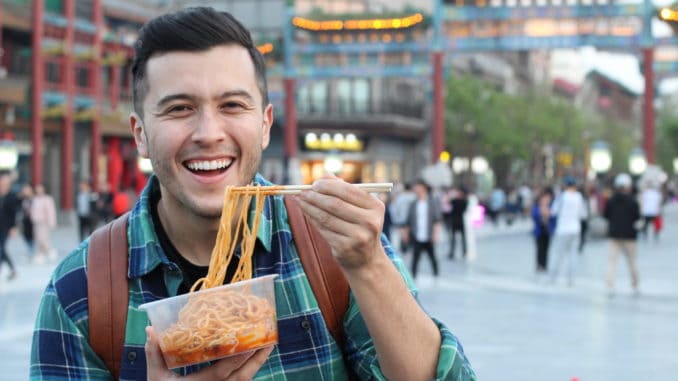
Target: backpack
{"points": [[108, 292]]}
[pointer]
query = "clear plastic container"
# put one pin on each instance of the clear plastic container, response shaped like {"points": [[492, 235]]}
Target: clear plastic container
{"points": [[215, 323]]}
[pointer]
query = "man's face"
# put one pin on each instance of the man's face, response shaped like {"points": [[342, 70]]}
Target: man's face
{"points": [[204, 126]]}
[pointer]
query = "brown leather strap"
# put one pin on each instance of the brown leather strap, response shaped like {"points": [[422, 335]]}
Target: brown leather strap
{"points": [[107, 292], [327, 280]]}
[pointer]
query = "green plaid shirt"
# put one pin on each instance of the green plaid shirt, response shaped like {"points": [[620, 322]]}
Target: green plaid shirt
{"points": [[306, 349]]}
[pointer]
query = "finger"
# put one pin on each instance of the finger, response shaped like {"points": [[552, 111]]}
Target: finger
{"points": [[226, 367], [252, 366], [156, 369], [345, 191], [327, 208], [330, 221]]}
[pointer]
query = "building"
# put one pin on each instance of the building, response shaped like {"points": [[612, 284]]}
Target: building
{"points": [[66, 91]]}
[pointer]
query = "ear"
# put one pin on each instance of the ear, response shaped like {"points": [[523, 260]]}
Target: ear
{"points": [[267, 123], [137, 127]]}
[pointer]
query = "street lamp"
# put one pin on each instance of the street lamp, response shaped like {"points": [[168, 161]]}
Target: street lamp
{"points": [[145, 165], [9, 155], [675, 165], [460, 164], [637, 162], [479, 165], [601, 160]]}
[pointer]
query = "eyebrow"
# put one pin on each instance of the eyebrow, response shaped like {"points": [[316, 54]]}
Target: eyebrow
{"points": [[184, 96]]}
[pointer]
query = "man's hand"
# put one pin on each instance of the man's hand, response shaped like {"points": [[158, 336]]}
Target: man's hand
{"points": [[239, 367], [349, 218], [13, 232]]}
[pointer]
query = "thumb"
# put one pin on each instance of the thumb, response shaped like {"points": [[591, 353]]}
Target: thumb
{"points": [[155, 363]]}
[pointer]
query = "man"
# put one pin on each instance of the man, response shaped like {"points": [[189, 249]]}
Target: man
{"points": [[85, 202], [457, 220], [203, 118], [622, 212], [423, 226], [8, 211], [569, 209]]}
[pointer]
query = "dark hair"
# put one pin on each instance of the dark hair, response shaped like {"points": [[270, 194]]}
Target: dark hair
{"points": [[424, 184], [191, 29]]}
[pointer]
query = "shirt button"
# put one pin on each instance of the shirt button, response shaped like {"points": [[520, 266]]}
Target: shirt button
{"points": [[306, 324], [131, 356]]}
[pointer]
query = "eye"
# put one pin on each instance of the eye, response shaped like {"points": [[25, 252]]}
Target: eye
{"points": [[179, 109], [232, 105]]}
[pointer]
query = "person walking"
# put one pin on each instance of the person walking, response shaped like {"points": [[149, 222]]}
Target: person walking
{"points": [[85, 203], [459, 205], [569, 209], [423, 226], [544, 225], [8, 212], [650, 208], [43, 215], [622, 213], [26, 196]]}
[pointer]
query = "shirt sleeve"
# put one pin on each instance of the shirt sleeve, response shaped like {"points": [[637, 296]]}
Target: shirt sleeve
{"points": [[362, 356], [60, 348]]}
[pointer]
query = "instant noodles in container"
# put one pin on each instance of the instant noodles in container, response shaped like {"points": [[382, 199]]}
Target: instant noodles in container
{"points": [[215, 323]]}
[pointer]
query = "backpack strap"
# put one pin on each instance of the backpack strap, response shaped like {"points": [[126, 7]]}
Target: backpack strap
{"points": [[327, 280], [107, 292]]}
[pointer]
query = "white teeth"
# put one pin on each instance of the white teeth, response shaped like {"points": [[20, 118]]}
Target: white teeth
{"points": [[208, 165]]}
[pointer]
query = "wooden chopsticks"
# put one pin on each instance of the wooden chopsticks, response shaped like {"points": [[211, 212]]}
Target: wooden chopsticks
{"points": [[296, 189]]}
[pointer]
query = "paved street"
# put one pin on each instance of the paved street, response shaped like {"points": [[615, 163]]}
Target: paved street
{"points": [[513, 325]]}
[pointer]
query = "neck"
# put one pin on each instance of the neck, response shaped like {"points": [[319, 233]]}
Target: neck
{"points": [[193, 236]]}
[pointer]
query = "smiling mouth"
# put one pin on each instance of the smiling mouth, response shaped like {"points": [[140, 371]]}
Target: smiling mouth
{"points": [[208, 167]]}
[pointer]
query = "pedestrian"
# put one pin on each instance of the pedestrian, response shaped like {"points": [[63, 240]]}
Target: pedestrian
{"points": [[496, 205], [43, 216], [104, 204], [26, 196], [459, 205], [8, 213], [86, 204], [584, 228], [388, 223], [423, 226], [569, 209], [399, 209], [202, 116], [544, 225], [622, 213], [650, 208]]}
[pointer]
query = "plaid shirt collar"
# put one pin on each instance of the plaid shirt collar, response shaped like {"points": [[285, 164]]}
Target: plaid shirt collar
{"points": [[145, 250]]}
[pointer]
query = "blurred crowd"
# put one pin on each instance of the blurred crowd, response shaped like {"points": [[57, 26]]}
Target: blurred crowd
{"points": [[31, 212], [562, 216]]}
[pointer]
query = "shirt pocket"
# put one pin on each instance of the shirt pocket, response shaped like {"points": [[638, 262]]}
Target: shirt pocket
{"points": [[304, 341]]}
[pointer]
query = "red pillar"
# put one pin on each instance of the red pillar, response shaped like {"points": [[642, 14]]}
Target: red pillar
{"points": [[115, 86], [290, 118], [437, 134], [38, 75], [68, 120], [648, 106], [98, 21]]}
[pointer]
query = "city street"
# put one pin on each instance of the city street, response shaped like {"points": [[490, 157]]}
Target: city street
{"points": [[513, 326]]}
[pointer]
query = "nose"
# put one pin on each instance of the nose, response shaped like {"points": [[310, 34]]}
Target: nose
{"points": [[210, 128]]}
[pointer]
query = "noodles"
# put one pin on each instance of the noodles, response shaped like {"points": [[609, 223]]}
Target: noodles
{"points": [[223, 322], [236, 206], [218, 324]]}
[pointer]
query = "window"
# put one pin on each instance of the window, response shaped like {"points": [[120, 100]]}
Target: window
{"points": [[361, 96]]}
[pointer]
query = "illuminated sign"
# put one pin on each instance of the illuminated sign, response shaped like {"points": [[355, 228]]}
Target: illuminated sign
{"points": [[338, 142], [366, 24]]}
